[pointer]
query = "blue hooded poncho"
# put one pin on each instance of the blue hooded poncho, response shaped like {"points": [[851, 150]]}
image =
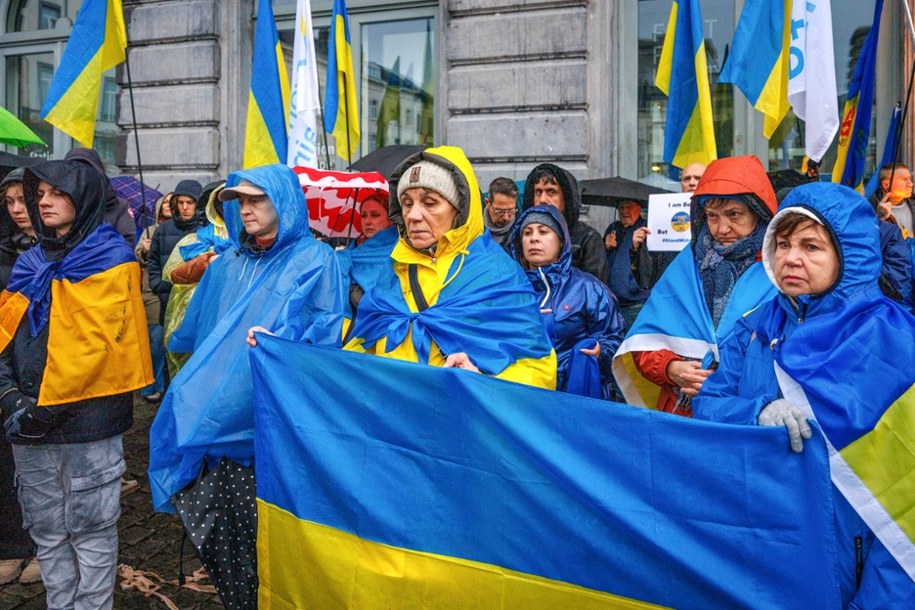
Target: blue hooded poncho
{"points": [[294, 288], [844, 357]]}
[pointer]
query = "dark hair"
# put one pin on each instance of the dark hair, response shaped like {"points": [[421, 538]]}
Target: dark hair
{"points": [[888, 168], [788, 224], [546, 174], [503, 186]]}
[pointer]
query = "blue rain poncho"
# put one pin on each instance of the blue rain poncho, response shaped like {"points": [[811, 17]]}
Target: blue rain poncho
{"points": [[294, 288]]}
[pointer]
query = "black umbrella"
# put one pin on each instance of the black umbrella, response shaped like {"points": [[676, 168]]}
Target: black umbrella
{"points": [[219, 514], [784, 180], [9, 162], [613, 191], [385, 160]]}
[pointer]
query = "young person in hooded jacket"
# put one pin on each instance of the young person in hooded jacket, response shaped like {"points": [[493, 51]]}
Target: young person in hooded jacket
{"points": [[579, 313], [830, 347], [74, 346]]}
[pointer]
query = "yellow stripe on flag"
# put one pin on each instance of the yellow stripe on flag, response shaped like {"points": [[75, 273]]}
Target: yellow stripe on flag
{"points": [[884, 460], [92, 325], [75, 112], [12, 307], [259, 149], [648, 392], [665, 62], [302, 564]]}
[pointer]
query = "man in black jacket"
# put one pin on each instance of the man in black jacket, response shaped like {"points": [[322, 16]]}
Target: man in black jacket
{"points": [[551, 184]]}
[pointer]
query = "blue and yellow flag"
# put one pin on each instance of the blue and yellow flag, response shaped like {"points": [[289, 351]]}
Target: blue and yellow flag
{"points": [[855, 130], [759, 61], [97, 43], [341, 110], [889, 150], [91, 303], [389, 484], [268, 99], [689, 136]]}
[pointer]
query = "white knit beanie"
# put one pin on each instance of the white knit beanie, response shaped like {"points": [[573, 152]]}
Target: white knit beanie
{"points": [[431, 176]]}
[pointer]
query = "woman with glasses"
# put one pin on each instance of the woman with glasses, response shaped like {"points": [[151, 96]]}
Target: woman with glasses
{"points": [[673, 345]]}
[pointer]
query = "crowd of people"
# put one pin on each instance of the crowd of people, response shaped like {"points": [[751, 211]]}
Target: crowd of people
{"points": [[511, 285]]}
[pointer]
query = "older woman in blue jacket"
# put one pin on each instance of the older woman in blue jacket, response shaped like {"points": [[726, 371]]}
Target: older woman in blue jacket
{"points": [[580, 314], [832, 348]]}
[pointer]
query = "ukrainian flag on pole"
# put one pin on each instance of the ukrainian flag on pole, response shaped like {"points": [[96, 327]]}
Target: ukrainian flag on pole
{"points": [[97, 43], [268, 99], [855, 130], [759, 61], [689, 136], [341, 110]]}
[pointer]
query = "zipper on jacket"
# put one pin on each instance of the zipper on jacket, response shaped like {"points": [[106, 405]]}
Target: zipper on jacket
{"points": [[859, 562]]}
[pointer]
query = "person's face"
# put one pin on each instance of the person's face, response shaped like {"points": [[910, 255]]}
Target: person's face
{"points": [[187, 206], [540, 245], [427, 216], [166, 209], [374, 218], [55, 208], [501, 209], [806, 261], [729, 220], [549, 193], [902, 185], [259, 216], [689, 177], [15, 205], [630, 212]]}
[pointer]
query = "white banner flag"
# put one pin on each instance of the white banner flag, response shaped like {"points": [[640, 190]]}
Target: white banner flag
{"points": [[304, 103], [812, 76]]}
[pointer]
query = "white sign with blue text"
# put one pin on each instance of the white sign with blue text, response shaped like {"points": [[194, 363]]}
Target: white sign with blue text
{"points": [[668, 220]]}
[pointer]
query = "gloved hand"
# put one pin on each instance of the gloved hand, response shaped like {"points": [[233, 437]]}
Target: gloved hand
{"points": [[33, 422], [782, 413]]}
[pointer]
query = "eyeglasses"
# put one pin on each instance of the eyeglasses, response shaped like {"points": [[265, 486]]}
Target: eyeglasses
{"points": [[508, 212]]}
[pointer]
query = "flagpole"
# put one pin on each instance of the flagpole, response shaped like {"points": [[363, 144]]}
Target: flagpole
{"points": [[349, 146], [908, 15], [136, 136], [908, 95], [324, 130]]}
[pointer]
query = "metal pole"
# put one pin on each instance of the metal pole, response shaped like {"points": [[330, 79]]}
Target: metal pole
{"points": [[136, 136]]}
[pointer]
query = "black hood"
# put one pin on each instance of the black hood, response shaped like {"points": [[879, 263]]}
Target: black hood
{"points": [[86, 188], [567, 183]]}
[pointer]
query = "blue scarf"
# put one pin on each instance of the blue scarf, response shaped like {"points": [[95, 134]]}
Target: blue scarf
{"points": [[488, 310], [721, 265], [207, 240]]}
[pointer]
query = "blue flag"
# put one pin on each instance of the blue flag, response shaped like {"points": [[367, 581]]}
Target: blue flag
{"points": [[403, 485]]}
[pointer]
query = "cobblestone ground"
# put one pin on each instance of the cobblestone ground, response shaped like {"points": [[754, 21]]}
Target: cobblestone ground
{"points": [[148, 541]]}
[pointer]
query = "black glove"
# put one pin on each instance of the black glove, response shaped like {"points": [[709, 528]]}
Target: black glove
{"points": [[33, 422]]}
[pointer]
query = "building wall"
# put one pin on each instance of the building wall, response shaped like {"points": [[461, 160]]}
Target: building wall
{"points": [[529, 81]]}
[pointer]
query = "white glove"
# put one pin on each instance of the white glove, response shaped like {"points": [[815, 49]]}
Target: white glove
{"points": [[782, 413]]}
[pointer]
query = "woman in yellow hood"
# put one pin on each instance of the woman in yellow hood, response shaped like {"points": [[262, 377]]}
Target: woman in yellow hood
{"points": [[454, 297]]}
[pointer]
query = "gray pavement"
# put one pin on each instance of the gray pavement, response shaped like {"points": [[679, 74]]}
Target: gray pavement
{"points": [[148, 541]]}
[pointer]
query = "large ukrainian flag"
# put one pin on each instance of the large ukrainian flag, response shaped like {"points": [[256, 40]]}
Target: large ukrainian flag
{"points": [[854, 132], [97, 43], [389, 484], [268, 99], [341, 110], [689, 136], [759, 61]]}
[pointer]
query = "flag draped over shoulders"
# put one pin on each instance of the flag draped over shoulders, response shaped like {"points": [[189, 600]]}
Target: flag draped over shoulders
{"points": [[758, 64], [676, 318], [689, 136], [97, 43], [341, 109], [404, 485], [268, 97], [92, 315]]}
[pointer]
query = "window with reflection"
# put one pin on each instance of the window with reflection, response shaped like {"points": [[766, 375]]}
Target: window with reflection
{"points": [[851, 22], [30, 66]]}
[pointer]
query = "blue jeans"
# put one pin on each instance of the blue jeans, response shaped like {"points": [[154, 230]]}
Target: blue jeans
{"points": [[157, 351], [70, 498]]}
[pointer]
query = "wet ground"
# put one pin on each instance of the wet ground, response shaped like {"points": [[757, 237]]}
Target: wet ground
{"points": [[149, 541]]}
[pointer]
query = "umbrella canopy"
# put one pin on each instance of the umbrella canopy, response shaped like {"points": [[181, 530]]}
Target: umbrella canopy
{"points": [[220, 517], [786, 179], [385, 160], [15, 132], [613, 191], [140, 199], [334, 198]]}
